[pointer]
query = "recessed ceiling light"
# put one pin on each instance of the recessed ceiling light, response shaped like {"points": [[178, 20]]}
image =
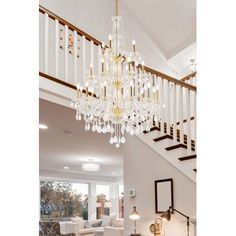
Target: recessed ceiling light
{"points": [[66, 167], [113, 173], [43, 126]]}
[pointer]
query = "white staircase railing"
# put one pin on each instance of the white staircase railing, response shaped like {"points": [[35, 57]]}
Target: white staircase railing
{"points": [[65, 52]]}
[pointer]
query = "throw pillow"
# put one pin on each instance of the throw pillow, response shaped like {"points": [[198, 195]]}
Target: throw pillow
{"points": [[87, 225], [106, 221], [117, 222], [76, 219], [97, 224]]}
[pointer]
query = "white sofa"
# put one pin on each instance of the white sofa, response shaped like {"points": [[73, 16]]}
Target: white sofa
{"points": [[113, 231], [112, 227]]}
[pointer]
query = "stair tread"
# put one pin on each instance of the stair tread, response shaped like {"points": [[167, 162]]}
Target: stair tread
{"points": [[152, 129], [180, 145], [189, 157], [162, 138]]}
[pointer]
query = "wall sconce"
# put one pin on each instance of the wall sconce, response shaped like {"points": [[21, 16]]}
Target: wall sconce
{"points": [[167, 216]]}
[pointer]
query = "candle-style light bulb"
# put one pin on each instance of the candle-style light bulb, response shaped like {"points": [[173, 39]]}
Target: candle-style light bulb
{"points": [[102, 64], [142, 65], [91, 69], [103, 48], [133, 42], [110, 40]]}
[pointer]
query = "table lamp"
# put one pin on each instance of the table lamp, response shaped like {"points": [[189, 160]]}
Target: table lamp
{"points": [[134, 216], [167, 216]]}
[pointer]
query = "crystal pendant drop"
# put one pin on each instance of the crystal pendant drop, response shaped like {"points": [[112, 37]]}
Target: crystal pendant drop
{"points": [[122, 140]]}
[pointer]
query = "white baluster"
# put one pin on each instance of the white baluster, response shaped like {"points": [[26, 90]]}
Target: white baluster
{"points": [[84, 59], [168, 107], [195, 119], [188, 102], [66, 52], [75, 56], [46, 43], [162, 103], [194, 80], [99, 68], [181, 130], [56, 47], [91, 51], [174, 114]]}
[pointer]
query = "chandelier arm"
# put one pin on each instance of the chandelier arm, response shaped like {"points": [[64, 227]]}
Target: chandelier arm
{"points": [[116, 7]]}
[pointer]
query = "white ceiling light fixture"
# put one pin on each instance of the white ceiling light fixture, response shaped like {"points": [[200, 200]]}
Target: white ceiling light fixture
{"points": [[43, 126], [192, 65], [90, 166], [66, 167], [122, 97]]}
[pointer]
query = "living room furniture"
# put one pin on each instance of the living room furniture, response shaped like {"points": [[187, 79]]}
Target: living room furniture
{"points": [[52, 228], [109, 226], [113, 231]]}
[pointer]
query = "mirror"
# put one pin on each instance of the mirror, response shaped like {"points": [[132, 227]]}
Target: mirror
{"points": [[163, 195]]}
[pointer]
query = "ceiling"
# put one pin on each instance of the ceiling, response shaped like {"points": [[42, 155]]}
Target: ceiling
{"points": [[65, 143], [170, 23], [180, 62]]}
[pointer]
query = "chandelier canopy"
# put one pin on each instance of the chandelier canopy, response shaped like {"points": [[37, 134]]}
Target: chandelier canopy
{"points": [[122, 97]]}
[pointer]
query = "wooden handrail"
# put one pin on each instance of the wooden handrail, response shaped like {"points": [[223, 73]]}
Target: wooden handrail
{"points": [[189, 76], [171, 79], [70, 26], [49, 77], [97, 42]]}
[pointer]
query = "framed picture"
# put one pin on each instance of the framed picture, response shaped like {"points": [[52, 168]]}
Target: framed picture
{"points": [[163, 195]]}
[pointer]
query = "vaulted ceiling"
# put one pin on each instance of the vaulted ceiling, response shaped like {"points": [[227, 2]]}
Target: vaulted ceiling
{"points": [[171, 23]]}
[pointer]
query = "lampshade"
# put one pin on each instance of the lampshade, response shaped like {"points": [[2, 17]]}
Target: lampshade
{"points": [[107, 205], [166, 216], [134, 215]]}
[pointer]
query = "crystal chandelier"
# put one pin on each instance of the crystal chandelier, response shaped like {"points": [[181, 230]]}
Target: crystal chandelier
{"points": [[122, 97]]}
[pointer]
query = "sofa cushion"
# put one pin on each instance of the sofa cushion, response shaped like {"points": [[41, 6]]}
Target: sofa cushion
{"points": [[96, 224], [76, 219], [106, 221], [117, 222], [86, 231]]}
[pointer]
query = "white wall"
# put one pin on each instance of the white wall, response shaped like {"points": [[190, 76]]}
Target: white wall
{"points": [[142, 166]]}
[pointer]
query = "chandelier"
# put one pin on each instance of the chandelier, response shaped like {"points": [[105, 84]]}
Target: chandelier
{"points": [[122, 97], [90, 166]]}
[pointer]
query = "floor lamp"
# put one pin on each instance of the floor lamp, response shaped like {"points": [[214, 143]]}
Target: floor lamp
{"points": [[167, 216]]}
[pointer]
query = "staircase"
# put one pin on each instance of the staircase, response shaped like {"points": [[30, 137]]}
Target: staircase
{"points": [[175, 152], [64, 55]]}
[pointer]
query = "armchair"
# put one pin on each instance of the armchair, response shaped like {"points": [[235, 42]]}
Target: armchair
{"points": [[52, 228]]}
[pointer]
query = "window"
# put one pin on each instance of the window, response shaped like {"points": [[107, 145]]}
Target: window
{"points": [[121, 201], [103, 204], [62, 200]]}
